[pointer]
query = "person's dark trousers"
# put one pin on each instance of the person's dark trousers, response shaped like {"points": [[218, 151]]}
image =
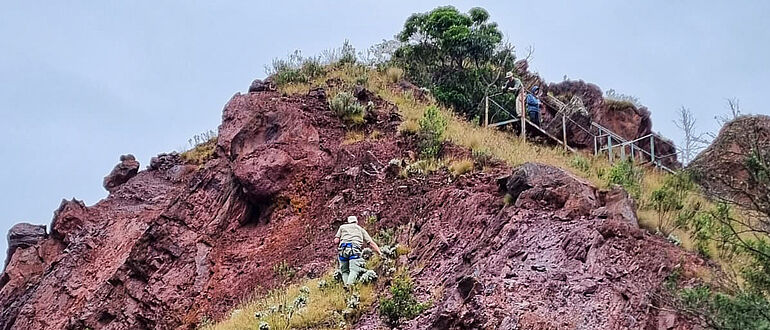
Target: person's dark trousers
{"points": [[534, 117]]}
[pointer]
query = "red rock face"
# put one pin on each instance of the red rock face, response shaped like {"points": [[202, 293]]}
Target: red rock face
{"points": [[721, 168], [542, 263], [178, 242]]}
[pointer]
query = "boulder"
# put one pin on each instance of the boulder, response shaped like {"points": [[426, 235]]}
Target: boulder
{"points": [[23, 235], [259, 86], [69, 219], [532, 185], [265, 174], [124, 171], [618, 205], [165, 161]]}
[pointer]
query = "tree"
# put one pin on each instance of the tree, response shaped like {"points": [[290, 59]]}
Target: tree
{"points": [[734, 105], [693, 142], [456, 55]]}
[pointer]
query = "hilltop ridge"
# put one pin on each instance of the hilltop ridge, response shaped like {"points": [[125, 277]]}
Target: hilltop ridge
{"points": [[183, 241]]}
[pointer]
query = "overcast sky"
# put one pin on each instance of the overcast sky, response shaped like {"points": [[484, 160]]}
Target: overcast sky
{"points": [[82, 82]]}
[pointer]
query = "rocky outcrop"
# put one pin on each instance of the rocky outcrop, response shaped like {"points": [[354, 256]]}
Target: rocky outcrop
{"points": [[721, 168], [259, 85], [23, 235], [543, 262], [178, 242], [623, 118], [124, 171]]}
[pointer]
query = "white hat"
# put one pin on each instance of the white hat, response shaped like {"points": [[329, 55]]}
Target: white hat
{"points": [[508, 74], [352, 219]]}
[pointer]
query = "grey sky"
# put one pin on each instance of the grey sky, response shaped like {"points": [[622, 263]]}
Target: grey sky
{"points": [[82, 82]]}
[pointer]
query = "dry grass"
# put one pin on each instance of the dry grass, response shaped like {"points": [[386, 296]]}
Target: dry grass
{"points": [[323, 310], [200, 153], [394, 74], [353, 137], [505, 146], [460, 166]]}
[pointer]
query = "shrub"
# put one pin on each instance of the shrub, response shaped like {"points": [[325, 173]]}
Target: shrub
{"points": [[345, 105], [745, 310], [581, 163], [431, 132], [620, 99], [669, 202], [627, 175], [481, 156], [460, 167], [295, 69], [423, 167], [454, 54], [402, 305], [284, 271], [617, 105]]}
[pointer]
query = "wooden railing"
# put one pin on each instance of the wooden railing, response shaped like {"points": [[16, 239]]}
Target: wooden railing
{"points": [[604, 138]]}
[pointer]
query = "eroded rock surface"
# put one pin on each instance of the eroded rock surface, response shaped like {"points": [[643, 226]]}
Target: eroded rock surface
{"points": [[177, 242], [721, 168]]}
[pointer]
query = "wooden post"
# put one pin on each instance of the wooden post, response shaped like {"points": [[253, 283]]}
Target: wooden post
{"points": [[596, 142], [652, 148], [623, 152], [564, 130], [609, 147], [524, 126], [486, 111]]}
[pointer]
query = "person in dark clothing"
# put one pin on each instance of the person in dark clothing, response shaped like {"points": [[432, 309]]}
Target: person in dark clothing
{"points": [[533, 106]]}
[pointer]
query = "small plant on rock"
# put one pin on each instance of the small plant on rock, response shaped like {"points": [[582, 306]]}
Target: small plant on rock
{"points": [[431, 132], [581, 163], [460, 167], [402, 305], [394, 74], [345, 105], [627, 175]]}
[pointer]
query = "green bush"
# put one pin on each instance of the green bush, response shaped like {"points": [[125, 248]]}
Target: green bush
{"points": [[345, 105], [627, 175], [431, 132], [457, 56], [402, 305], [669, 202], [744, 310], [581, 163]]}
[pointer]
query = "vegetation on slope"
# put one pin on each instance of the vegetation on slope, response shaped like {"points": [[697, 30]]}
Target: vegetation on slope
{"points": [[458, 57]]}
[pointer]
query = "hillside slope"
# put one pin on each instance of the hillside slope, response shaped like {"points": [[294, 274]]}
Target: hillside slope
{"points": [[179, 242]]}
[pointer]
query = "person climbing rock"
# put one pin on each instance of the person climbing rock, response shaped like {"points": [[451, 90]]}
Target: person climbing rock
{"points": [[349, 240], [513, 85], [533, 105]]}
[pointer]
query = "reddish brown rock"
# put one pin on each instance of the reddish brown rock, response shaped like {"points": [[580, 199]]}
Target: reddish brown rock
{"points": [[23, 235], [124, 171], [721, 168], [623, 118], [176, 244]]}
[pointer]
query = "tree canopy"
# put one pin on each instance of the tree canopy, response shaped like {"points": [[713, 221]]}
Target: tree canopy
{"points": [[455, 54]]}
